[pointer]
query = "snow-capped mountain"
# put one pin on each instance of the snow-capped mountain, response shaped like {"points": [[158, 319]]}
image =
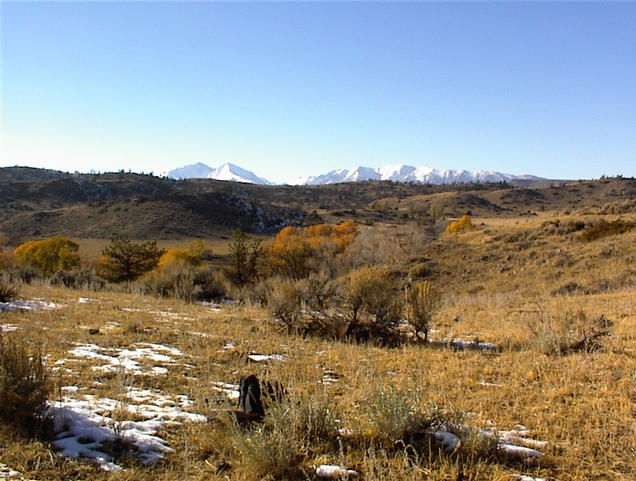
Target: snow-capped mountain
{"points": [[396, 173], [236, 174], [226, 172], [407, 173], [192, 171]]}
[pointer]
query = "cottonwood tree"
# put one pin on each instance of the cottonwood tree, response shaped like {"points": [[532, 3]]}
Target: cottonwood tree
{"points": [[298, 251], [125, 260], [49, 255], [190, 256]]}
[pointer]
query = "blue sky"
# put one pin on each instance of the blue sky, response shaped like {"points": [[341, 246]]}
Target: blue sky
{"points": [[289, 89]]}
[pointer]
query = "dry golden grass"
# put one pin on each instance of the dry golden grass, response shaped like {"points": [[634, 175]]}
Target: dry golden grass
{"points": [[582, 404]]}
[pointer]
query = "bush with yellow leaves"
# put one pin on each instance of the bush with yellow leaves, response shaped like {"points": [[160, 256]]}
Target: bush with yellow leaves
{"points": [[461, 225]]}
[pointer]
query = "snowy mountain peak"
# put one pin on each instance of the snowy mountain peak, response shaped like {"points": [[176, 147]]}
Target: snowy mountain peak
{"points": [[225, 172], [407, 173], [235, 173], [192, 171], [394, 172]]}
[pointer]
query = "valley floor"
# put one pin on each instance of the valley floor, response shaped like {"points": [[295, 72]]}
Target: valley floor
{"points": [[137, 378]]}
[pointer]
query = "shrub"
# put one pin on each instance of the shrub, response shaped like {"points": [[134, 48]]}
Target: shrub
{"points": [[188, 283], [24, 385], [5, 261], [463, 224], [369, 297], [49, 255], [77, 279], [400, 417], [18, 274], [604, 229], [7, 291], [190, 256], [573, 332], [297, 251], [287, 437], [422, 300], [245, 253], [124, 260], [284, 302]]}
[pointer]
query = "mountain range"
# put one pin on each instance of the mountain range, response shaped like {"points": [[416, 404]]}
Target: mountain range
{"points": [[396, 173], [227, 171]]}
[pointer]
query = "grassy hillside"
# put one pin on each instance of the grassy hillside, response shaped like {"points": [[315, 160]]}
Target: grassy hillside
{"points": [[523, 284], [39, 203]]}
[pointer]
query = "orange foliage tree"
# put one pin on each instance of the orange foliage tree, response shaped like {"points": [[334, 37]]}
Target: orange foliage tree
{"points": [[190, 256], [297, 251], [464, 223], [48, 255]]}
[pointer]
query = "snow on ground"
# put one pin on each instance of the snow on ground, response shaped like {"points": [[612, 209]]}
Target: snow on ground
{"points": [[8, 328], [7, 473], [211, 305], [169, 315], [128, 359], [86, 425], [86, 300], [265, 358], [27, 305], [516, 443], [83, 426], [231, 390]]}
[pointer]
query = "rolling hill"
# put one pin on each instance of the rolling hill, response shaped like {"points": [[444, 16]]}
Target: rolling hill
{"points": [[39, 203]]}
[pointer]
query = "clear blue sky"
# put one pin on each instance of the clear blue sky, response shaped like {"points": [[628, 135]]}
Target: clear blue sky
{"points": [[286, 89]]}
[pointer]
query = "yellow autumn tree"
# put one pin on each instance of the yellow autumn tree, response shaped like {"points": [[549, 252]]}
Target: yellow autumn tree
{"points": [[190, 256], [297, 251], [49, 255], [463, 224]]}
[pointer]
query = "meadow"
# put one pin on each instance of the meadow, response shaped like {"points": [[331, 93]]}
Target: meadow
{"points": [[532, 345]]}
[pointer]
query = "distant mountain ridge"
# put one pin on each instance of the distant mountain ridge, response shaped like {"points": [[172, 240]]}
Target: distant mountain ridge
{"points": [[396, 173], [407, 173], [226, 171]]}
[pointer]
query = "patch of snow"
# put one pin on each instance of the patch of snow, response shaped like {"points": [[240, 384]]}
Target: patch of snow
{"points": [[86, 300], [213, 306], [490, 384], [329, 471], [28, 305], [170, 315], [449, 441], [127, 359], [231, 390], [8, 328], [83, 426], [516, 444], [7, 473], [265, 358]]}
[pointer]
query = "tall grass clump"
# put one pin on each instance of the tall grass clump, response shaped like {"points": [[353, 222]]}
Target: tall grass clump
{"points": [[187, 283], [284, 443], [604, 228], [7, 291], [422, 301], [24, 383], [397, 415], [571, 332], [85, 278]]}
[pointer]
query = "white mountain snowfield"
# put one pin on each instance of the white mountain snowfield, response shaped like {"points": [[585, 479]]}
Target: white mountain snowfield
{"points": [[396, 173], [407, 173], [192, 171], [236, 174]]}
